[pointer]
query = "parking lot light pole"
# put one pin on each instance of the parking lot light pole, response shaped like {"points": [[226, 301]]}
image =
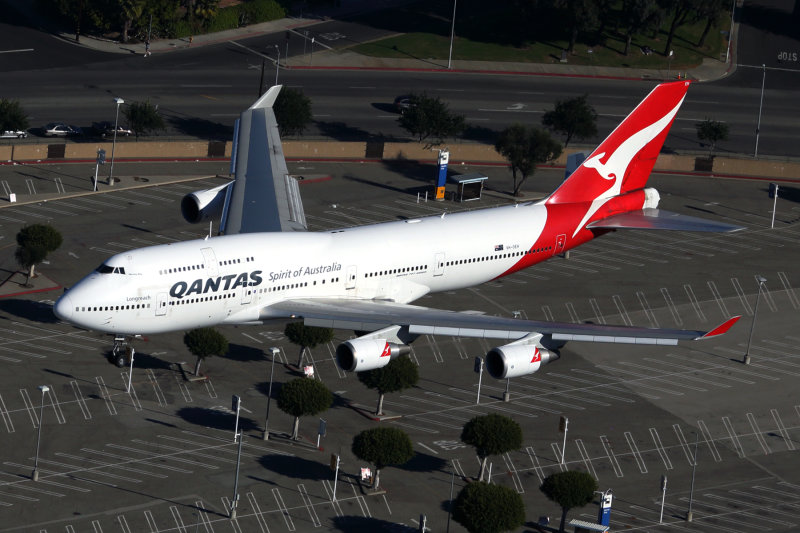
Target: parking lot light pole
{"points": [[761, 280], [277, 63], [274, 352], [119, 101], [35, 475]]}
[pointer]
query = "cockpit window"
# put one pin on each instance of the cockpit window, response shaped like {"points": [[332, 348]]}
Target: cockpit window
{"points": [[106, 269]]}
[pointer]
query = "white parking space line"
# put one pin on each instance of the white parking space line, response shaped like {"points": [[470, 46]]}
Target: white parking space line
{"points": [[130, 459], [151, 377], [735, 442], [262, 523], [309, 505], [56, 405], [6, 416], [585, 457], [693, 300], [789, 290], [151, 522], [676, 316], [782, 429], [29, 408], [284, 511], [757, 433], [112, 410], [611, 457], [648, 379], [660, 448], [709, 440], [104, 464], [512, 469], [635, 452], [614, 386], [621, 310]]}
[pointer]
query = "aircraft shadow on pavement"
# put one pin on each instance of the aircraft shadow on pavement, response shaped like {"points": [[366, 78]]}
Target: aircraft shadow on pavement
{"points": [[205, 129], [342, 132], [771, 20], [29, 310], [146, 361], [215, 419], [356, 524], [296, 467], [422, 462], [243, 354]]}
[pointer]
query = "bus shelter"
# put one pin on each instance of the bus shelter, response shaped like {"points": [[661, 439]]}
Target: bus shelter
{"points": [[470, 186]]}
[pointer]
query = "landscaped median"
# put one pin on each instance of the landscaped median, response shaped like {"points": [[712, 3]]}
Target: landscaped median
{"points": [[471, 153]]}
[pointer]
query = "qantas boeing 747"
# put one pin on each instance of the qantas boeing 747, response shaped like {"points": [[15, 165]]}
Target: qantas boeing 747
{"points": [[266, 266]]}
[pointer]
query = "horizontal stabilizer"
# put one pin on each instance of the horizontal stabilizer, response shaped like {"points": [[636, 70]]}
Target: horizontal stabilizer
{"points": [[651, 218]]}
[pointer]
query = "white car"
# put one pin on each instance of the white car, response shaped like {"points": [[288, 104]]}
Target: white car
{"points": [[58, 129], [11, 134]]}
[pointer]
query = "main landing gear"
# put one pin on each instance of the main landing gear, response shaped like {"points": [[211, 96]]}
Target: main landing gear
{"points": [[122, 352]]}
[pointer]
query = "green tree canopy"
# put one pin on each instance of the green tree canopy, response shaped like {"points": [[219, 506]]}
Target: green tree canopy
{"points": [[205, 342], [34, 242], [303, 397], [399, 374], [143, 118], [525, 147], [572, 118], [430, 118], [569, 489], [306, 337], [491, 434], [12, 116], [292, 111], [486, 508], [383, 447], [711, 131]]}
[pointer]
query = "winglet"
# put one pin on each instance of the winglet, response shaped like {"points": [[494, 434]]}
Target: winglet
{"points": [[721, 329], [268, 98]]}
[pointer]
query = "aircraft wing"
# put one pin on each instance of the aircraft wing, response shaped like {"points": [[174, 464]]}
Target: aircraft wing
{"points": [[370, 315], [264, 197], [651, 218]]}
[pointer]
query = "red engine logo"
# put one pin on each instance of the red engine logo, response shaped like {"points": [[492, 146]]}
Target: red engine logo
{"points": [[537, 356], [387, 351]]}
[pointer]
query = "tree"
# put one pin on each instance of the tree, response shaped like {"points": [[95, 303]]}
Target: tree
{"points": [[303, 397], [292, 111], [306, 337], [680, 10], [383, 447], [491, 434], [638, 15], [34, 243], [581, 16], [429, 118], [401, 373], [12, 116], [205, 342], [143, 118], [569, 489], [525, 147], [710, 10], [573, 118], [486, 508], [711, 131]]}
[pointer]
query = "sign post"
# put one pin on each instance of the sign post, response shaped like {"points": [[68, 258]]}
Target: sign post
{"points": [[101, 160], [335, 467], [236, 405], [441, 179], [563, 423], [773, 193], [479, 370], [321, 430], [663, 497]]}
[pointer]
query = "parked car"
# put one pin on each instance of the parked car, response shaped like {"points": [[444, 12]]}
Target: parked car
{"points": [[401, 103], [106, 129], [11, 134], [59, 129]]}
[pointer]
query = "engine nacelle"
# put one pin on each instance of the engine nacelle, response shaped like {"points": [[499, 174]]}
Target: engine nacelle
{"points": [[514, 360], [202, 205], [358, 355]]}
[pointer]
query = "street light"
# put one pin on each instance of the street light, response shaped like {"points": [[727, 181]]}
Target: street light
{"points": [[452, 33], [761, 280], [35, 475], [760, 107], [119, 101], [274, 352], [277, 63]]}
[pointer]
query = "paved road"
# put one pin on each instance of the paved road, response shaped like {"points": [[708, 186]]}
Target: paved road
{"points": [[162, 457]]}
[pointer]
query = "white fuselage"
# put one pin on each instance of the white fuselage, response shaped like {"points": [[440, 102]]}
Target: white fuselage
{"points": [[234, 279]]}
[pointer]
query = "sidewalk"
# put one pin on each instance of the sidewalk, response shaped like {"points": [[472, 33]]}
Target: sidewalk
{"points": [[709, 70]]}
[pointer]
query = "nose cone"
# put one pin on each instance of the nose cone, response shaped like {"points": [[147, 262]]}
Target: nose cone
{"points": [[63, 308]]}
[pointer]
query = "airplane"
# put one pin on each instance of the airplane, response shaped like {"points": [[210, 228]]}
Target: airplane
{"points": [[265, 265]]}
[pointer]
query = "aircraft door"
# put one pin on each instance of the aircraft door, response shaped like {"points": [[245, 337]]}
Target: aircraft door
{"points": [[247, 295], [352, 273], [161, 303], [438, 264], [561, 240], [210, 259]]}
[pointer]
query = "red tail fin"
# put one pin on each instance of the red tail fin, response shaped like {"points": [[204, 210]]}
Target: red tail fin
{"points": [[624, 160]]}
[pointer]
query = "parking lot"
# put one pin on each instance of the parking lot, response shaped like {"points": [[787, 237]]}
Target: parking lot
{"points": [[161, 456]]}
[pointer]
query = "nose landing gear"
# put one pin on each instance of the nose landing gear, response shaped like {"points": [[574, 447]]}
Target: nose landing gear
{"points": [[122, 352]]}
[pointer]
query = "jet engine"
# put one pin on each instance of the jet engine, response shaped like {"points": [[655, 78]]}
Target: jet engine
{"points": [[203, 205], [358, 355], [514, 360]]}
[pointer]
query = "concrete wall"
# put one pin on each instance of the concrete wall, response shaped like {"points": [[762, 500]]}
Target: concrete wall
{"points": [[467, 152]]}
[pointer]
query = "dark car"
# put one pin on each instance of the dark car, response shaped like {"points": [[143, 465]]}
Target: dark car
{"points": [[106, 129]]}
